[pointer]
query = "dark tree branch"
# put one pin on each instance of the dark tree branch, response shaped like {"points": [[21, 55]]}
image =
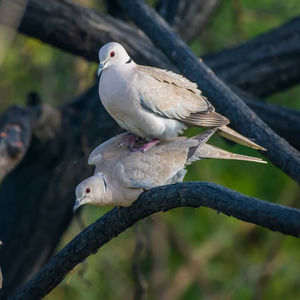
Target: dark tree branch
{"points": [[168, 9], [192, 16], [226, 101], [193, 194], [264, 65]]}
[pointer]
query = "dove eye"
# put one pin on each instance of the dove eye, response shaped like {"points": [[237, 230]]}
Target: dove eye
{"points": [[112, 54], [88, 190]]}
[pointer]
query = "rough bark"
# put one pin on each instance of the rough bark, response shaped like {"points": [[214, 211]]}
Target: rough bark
{"points": [[187, 18], [36, 199], [193, 194], [226, 101]]}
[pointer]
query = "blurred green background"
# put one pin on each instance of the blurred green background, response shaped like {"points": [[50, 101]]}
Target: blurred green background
{"points": [[186, 253]]}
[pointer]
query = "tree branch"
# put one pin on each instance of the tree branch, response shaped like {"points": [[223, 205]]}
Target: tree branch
{"points": [[226, 101], [192, 16], [192, 194]]}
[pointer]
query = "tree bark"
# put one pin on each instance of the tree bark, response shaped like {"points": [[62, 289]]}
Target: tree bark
{"points": [[192, 194], [187, 17]]}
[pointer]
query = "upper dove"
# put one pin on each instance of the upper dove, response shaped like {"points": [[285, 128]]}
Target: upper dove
{"points": [[122, 175], [153, 103]]}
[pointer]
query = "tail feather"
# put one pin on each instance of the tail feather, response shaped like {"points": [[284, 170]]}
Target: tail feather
{"points": [[209, 151], [234, 136]]}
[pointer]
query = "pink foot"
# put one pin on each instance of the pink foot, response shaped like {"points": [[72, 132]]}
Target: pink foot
{"points": [[147, 145], [129, 140]]}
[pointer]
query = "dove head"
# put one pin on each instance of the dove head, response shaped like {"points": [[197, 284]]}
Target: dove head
{"points": [[112, 54], [91, 190]]}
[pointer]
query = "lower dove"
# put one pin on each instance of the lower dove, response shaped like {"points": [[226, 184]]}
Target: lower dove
{"points": [[153, 103], [122, 175]]}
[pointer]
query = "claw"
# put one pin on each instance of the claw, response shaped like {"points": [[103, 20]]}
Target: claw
{"points": [[146, 146]]}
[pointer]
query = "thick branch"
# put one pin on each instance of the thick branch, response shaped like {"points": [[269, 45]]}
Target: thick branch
{"points": [[226, 101], [188, 18], [264, 65], [193, 194]]}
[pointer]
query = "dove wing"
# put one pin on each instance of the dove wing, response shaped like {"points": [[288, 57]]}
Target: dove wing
{"points": [[172, 96], [153, 168], [110, 150]]}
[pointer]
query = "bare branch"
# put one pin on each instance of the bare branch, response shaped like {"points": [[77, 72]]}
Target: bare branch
{"points": [[193, 194], [192, 16], [226, 101]]}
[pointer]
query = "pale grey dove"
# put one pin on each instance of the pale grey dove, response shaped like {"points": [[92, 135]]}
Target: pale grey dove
{"points": [[122, 175], [154, 103]]}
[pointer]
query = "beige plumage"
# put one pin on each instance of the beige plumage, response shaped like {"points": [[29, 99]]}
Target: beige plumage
{"points": [[122, 175], [154, 103]]}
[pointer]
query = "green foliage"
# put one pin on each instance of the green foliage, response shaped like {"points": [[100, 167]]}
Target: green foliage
{"points": [[224, 258]]}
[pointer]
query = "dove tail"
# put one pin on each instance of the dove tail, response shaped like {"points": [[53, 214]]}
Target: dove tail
{"points": [[209, 151], [234, 136]]}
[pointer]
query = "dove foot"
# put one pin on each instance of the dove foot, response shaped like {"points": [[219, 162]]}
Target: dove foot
{"points": [[129, 141], [146, 146]]}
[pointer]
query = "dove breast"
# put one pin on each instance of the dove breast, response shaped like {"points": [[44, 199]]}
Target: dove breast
{"points": [[124, 92]]}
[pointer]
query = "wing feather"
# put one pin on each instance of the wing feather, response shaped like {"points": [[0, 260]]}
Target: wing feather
{"points": [[173, 96]]}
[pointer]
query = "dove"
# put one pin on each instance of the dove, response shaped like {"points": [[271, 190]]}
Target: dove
{"points": [[153, 103], [122, 175]]}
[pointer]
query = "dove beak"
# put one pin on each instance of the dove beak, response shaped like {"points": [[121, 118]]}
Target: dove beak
{"points": [[77, 204], [101, 68]]}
